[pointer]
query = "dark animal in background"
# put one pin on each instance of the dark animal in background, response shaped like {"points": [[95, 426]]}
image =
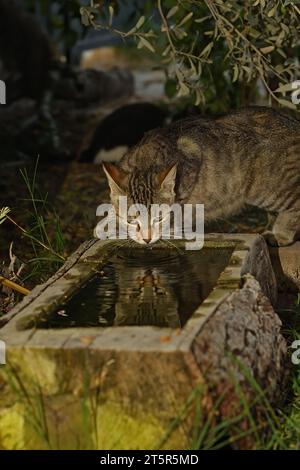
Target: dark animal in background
{"points": [[121, 130]]}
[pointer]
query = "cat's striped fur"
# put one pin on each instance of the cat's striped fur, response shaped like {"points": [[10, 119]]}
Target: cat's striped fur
{"points": [[250, 156]]}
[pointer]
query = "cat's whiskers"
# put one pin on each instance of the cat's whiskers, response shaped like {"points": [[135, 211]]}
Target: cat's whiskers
{"points": [[173, 245]]}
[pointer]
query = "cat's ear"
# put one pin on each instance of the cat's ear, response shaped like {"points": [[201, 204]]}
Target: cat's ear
{"points": [[116, 177], [166, 178]]}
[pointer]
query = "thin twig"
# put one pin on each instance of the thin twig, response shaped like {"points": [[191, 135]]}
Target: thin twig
{"points": [[12, 285], [166, 28]]}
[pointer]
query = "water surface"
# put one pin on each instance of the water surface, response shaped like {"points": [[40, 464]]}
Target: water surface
{"points": [[143, 287]]}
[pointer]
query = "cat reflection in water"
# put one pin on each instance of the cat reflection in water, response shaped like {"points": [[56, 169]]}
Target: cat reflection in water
{"points": [[156, 289], [152, 302]]}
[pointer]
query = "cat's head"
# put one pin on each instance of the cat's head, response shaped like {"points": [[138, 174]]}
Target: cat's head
{"points": [[146, 188]]}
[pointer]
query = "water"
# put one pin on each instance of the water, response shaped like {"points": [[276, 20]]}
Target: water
{"points": [[143, 287]]}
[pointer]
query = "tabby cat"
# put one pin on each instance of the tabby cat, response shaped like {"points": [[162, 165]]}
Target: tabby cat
{"points": [[250, 156]]}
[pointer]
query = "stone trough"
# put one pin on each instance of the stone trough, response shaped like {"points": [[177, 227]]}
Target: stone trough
{"points": [[126, 386]]}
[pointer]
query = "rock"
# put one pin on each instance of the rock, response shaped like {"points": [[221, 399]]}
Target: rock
{"points": [[258, 264], [241, 353]]}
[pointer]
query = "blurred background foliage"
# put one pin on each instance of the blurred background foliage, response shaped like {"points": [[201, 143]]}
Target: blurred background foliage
{"points": [[216, 53], [61, 19]]}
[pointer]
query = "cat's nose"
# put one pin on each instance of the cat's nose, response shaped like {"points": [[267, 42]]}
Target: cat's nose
{"points": [[147, 235]]}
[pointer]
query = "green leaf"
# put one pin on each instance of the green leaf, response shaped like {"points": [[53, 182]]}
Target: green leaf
{"points": [[272, 11], [281, 52], [235, 73], [140, 22], [287, 104], [254, 33], [183, 90], [267, 49], [185, 19], [131, 31], [199, 97], [279, 68], [173, 11], [284, 87], [111, 14], [85, 17], [179, 33], [285, 28], [206, 51], [200, 20], [147, 44], [166, 51]]}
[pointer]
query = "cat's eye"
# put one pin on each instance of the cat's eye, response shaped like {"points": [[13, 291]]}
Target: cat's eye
{"points": [[135, 215]]}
